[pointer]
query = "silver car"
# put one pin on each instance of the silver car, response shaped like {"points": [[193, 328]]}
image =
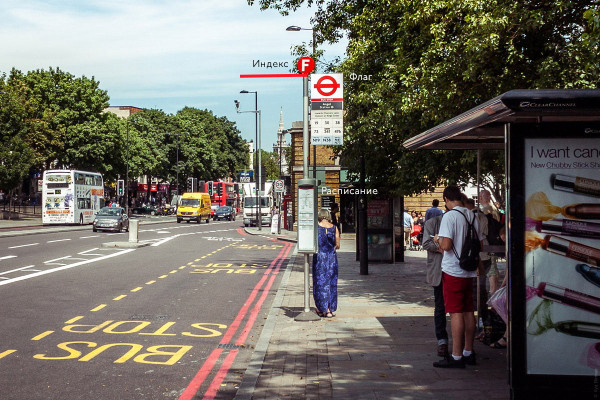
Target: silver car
{"points": [[111, 219]]}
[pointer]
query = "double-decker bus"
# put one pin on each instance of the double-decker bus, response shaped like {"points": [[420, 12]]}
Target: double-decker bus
{"points": [[71, 197], [223, 194]]}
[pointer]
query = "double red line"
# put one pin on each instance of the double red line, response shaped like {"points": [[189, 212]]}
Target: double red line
{"points": [[268, 277]]}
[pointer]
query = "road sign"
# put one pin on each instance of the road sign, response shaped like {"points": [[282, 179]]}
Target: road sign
{"points": [[327, 87], [306, 65], [327, 109], [279, 185]]}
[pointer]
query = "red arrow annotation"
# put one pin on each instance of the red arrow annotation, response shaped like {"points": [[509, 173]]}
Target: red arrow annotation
{"points": [[273, 75]]}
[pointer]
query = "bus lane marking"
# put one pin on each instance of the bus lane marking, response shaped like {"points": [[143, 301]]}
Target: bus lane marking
{"points": [[74, 319], [100, 307], [42, 335], [7, 352], [120, 297], [137, 289]]}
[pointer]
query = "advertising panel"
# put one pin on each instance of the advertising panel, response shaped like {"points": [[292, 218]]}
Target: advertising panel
{"points": [[562, 260]]}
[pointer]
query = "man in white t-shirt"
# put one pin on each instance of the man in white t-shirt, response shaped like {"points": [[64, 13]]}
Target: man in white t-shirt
{"points": [[457, 283]]}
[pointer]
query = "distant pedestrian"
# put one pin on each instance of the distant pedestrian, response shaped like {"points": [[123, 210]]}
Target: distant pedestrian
{"points": [[334, 210], [407, 222], [433, 211], [325, 266], [434, 278]]}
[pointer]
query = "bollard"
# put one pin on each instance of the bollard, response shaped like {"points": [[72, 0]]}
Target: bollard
{"points": [[134, 225]]}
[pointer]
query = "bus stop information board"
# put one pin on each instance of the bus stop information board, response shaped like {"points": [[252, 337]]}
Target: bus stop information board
{"points": [[327, 109]]}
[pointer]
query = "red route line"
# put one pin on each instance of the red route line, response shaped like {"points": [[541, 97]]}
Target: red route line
{"points": [[240, 230], [211, 392], [208, 365], [273, 75], [221, 374]]}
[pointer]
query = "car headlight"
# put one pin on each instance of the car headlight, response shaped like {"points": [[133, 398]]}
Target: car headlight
{"points": [[194, 212]]}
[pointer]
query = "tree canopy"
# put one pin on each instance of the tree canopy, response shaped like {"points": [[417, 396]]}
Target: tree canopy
{"points": [[432, 60], [50, 118]]}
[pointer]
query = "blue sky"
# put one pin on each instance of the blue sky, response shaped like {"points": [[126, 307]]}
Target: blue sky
{"points": [[165, 54]]}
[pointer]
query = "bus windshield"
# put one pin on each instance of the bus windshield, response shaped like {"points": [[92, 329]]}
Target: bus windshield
{"points": [[190, 202], [251, 202]]}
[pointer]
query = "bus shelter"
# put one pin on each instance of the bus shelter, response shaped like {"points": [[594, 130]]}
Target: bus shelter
{"points": [[551, 140]]}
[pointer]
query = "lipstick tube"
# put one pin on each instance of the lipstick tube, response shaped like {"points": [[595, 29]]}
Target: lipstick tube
{"points": [[579, 328], [583, 211], [571, 227], [570, 249], [569, 297], [575, 184]]}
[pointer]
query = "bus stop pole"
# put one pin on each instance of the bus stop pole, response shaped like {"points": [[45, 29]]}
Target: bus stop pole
{"points": [[306, 315]]}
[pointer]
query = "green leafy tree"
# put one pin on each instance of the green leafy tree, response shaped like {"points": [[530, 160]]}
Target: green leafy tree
{"points": [[269, 161], [432, 60], [56, 102]]}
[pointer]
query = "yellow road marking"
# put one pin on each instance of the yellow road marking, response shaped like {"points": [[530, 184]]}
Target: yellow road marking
{"points": [[162, 276], [137, 289], [73, 320], [42, 335], [100, 307], [5, 353], [150, 282], [183, 266], [120, 297], [174, 271]]}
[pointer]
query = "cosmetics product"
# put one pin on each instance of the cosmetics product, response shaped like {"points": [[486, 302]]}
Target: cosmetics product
{"points": [[582, 211], [591, 274], [579, 328], [569, 297], [569, 227], [575, 184], [574, 250]]}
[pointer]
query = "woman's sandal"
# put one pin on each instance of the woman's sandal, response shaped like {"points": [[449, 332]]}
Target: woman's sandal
{"points": [[329, 314], [498, 345]]}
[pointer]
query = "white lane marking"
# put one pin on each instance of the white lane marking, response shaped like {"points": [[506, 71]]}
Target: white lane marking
{"points": [[14, 270], [56, 259], [49, 271], [57, 240], [6, 257], [87, 237], [165, 240], [24, 245]]}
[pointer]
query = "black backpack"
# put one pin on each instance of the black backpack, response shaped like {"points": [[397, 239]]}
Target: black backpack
{"points": [[494, 227], [469, 254]]}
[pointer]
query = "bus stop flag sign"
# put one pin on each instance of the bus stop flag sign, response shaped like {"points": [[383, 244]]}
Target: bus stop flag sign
{"points": [[327, 109]]}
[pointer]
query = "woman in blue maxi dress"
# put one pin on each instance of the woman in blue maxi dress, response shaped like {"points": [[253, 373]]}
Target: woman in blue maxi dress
{"points": [[325, 266]]}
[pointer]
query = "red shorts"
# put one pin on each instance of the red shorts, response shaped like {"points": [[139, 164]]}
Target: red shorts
{"points": [[458, 294]]}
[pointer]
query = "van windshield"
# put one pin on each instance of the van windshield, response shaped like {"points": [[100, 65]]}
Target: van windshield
{"points": [[251, 202], [190, 202]]}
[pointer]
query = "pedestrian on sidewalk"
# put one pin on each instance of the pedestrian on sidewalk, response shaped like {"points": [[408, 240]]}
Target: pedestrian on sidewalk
{"points": [[433, 211], [434, 278], [457, 282], [325, 266], [408, 225]]}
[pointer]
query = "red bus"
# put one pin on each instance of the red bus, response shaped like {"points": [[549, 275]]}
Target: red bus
{"points": [[223, 194]]}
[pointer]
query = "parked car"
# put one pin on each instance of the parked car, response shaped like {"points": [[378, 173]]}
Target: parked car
{"points": [[144, 210], [111, 219], [224, 212]]}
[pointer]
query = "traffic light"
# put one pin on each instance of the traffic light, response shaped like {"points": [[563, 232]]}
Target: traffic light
{"points": [[210, 188], [189, 185], [220, 189], [120, 187]]}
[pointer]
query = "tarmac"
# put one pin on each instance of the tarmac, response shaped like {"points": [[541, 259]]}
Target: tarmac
{"points": [[379, 345]]}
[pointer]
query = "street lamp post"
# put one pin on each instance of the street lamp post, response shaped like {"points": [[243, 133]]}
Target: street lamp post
{"points": [[177, 155], [258, 121], [295, 28], [127, 171]]}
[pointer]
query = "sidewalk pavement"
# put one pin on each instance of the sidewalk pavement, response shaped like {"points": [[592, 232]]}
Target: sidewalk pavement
{"points": [[380, 344]]}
